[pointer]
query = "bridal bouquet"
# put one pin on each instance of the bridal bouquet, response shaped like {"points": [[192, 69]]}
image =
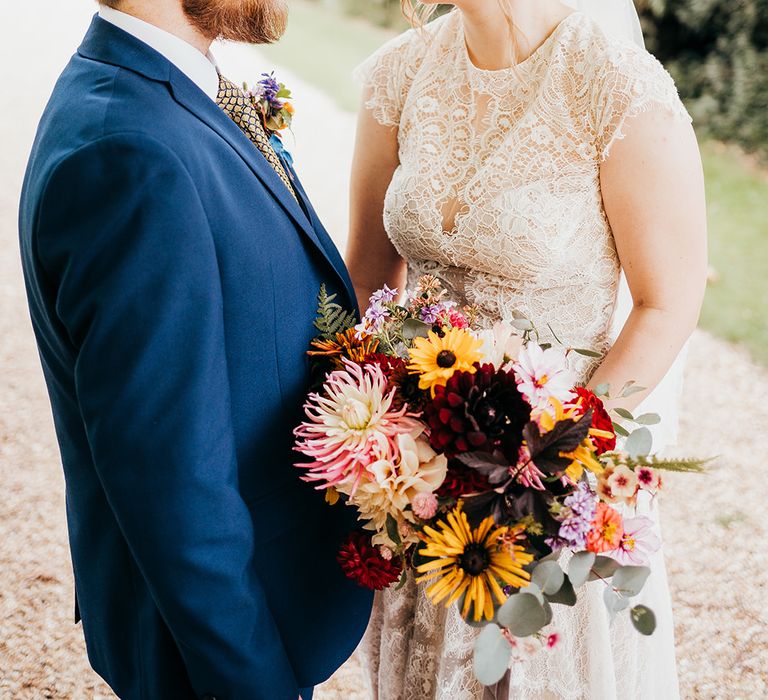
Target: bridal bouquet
{"points": [[478, 466]]}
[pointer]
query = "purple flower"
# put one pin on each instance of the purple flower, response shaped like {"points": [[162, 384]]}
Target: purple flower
{"points": [[574, 531], [429, 314], [582, 501], [376, 314], [269, 89], [385, 295]]}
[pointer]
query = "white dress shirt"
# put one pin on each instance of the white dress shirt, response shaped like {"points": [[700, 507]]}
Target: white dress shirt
{"points": [[198, 67]]}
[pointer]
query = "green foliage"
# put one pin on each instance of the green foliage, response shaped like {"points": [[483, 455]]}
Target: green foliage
{"points": [[718, 53], [331, 317], [690, 466]]}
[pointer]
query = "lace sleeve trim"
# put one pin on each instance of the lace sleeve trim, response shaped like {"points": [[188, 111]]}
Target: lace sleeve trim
{"points": [[635, 85], [385, 77]]}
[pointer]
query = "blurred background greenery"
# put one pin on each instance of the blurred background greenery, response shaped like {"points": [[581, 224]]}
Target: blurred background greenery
{"points": [[718, 53]]}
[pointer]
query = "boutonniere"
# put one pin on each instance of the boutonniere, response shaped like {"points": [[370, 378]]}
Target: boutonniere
{"points": [[271, 100]]}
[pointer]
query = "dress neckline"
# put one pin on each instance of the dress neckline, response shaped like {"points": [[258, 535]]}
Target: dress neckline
{"points": [[523, 65]]}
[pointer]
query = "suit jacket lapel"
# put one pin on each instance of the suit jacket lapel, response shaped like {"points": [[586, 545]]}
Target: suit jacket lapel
{"points": [[106, 43]]}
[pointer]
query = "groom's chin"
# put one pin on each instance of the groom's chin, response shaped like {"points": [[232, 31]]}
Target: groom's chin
{"points": [[249, 21]]}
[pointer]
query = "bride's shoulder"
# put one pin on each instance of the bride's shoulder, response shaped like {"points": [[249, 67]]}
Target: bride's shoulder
{"points": [[613, 62], [618, 80], [388, 73]]}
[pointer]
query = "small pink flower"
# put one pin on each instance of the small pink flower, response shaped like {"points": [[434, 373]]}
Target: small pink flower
{"points": [[648, 479], [424, 505], [553, 640], [529, 475], [386, 553]]}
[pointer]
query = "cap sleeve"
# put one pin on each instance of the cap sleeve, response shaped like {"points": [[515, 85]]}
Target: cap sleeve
{"points": [[632, 82], [386, 77]]}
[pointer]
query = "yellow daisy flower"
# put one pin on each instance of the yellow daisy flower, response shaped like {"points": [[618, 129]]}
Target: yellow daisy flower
{"points": [[436, 358], [471, 563]]}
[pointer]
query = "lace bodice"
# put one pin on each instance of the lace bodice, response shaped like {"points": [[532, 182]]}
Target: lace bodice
{"points": [[498, 189], [498, 194]]}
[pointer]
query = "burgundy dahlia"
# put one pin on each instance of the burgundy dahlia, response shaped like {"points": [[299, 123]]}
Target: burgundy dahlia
{"points": [[479, 412], [461, 481], [361, 561]]}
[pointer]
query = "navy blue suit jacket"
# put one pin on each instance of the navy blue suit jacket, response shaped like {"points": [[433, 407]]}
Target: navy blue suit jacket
{"points": [[172, 282]]}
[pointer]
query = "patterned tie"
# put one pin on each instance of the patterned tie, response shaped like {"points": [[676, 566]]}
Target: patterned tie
{"points": [[240, 110]]}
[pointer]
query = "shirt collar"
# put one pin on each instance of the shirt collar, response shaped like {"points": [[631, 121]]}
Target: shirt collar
{"points": [[200, 69]]}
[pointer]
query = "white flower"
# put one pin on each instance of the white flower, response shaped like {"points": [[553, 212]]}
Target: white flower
{"points": [[393, 483], [623, 482], [543, 375], [500, 344]]}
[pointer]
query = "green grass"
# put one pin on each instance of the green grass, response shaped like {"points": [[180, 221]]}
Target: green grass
{"points": [[323, 46], [736, 305]]}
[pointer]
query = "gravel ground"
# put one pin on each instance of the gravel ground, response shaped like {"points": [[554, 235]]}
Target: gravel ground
{"points": [[715, 541]]}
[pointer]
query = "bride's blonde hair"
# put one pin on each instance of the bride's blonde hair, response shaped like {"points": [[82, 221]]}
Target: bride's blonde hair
{"points": [[419, 13]]}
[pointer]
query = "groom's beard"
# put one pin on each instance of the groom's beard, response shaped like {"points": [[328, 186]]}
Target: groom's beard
{"points": [[251, 21]]}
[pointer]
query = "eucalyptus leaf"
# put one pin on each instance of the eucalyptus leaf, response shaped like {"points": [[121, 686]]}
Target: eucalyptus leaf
{"points": [[644, 619], [630, 389], [587, 353], [548, 612], [614, 602], [603, 389], [648, 419], [579, 567], [639, 443], [413, 328], [620, 430], [522, 614], [565, 596], [603, 568], [491, 655], [629, 580], [548, 576], [624, 413], [522, 324], [534, 590]]}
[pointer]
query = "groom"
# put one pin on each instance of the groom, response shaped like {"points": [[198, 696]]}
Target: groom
{"points": [[172, 261]]}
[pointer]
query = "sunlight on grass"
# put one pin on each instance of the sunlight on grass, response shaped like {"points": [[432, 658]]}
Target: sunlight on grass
{"points": [[736, 307], [323, 47]]}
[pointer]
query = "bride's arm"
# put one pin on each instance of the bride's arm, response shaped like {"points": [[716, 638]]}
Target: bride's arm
{"points": [[653, 192], [371, 257]]}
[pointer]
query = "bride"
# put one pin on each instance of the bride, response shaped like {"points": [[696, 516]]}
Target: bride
{"points": [[527, 154]]}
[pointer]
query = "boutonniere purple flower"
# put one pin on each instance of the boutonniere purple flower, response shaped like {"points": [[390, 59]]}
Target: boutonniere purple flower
{"points": [[272, 101]]}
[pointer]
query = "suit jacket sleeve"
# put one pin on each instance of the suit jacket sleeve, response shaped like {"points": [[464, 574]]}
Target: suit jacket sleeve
{"points": [[126, 244]]}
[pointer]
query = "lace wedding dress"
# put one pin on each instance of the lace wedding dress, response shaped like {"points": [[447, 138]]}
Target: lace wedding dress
{"points": [[498, 195]]}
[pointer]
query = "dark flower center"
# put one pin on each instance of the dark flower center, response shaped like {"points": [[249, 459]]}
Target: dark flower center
{"points": [[446, 359], [475, 559]]}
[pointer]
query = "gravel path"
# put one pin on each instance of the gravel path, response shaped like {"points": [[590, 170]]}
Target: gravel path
{"points": [[716, 543]]}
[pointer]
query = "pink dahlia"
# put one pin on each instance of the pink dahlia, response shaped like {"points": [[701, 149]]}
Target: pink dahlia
{"points": [[351, 424]]}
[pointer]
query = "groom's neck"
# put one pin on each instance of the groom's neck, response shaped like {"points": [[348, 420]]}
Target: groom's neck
{"points": [[167, 15]]}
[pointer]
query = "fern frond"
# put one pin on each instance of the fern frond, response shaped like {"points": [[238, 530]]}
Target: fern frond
{"points": [[687, 465], [332, 318]]}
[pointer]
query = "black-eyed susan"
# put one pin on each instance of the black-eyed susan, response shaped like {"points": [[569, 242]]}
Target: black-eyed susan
{"points": [[435, 358], [471, 562]]}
